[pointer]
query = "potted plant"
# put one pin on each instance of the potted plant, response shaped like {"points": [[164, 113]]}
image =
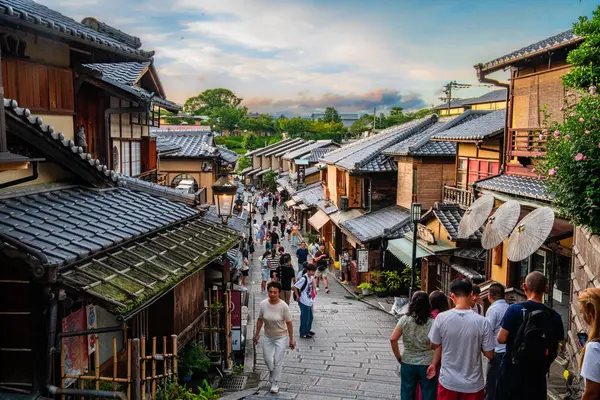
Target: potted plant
{"points": [[215, 357], [396, 283], [193, 360], [366, 288], [380, 291]]}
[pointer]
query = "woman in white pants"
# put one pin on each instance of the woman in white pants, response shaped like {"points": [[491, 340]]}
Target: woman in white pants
{"points": [[275, 315]]}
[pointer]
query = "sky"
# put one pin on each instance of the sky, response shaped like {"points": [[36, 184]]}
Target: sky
{"points": [[300, 56]]}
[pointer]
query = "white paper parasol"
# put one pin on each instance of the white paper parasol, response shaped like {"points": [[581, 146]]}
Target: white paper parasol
{"points": [[530, 233], [500, 224], [475, 216]]}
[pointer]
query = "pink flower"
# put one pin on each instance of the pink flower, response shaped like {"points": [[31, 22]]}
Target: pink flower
{"points": [[599, 145], [544, 131], [541, 137], [567, 137], [594, 118], [562, 108], [568, 93], [593, 89], [552, 172], [581, 120], [580, 157], [556, 134], [587, 132]]}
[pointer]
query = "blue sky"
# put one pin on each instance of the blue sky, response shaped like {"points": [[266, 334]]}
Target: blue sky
{"points": [[299, 56]]}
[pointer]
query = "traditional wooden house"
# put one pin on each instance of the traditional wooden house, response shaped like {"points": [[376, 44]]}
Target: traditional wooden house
{"points": [[191, 156], [259, 164], [494, 100], [272, 159], [86, 250], [305, 152], [535, 83]]}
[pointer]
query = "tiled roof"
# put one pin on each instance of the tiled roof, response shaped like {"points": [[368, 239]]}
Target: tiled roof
{"points": [[485, 125], [311, 195], [381, 163], [237, 223], [281, 150], [490, 97], [370, 226], [66, 147], [553, 42], [309, 171], [191, 145], [125, 76], [246, 170], [475, 253], [317, 154], [327, 207], [357, 154], [517, 185], [435, 149], [450, 216], [73, 223], [306, 149], [158, 190], [454, 103], [264, 171], [228, 155], [262, 150], [51, 22], [166, 146]]}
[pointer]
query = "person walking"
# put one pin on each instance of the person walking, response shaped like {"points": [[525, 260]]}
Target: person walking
{"points": [[288, 229], [477, 302], [439, 303], [286, 275], [303, 290], [251, 249], [302, 254], [495, 315], [294, 233], [266, 272], [589, 362], [417, 356], [463, 335], [245, 269], [321, 259], [262, 231], [528, 357], [274, 237], [273, 264], [276, 318], [282, 224]]}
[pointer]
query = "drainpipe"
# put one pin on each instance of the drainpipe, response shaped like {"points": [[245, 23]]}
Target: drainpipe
{"points": [[32, 177], [484, 79], [103, 394]]}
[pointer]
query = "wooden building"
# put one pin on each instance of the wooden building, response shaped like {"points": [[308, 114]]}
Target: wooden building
{"points": [[494, 100]]}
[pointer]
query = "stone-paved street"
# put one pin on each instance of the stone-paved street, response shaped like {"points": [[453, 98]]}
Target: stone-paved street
{"points": [[349, 357]]}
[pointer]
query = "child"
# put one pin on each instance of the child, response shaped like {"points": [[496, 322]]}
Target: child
{"points": [[265, 271]]}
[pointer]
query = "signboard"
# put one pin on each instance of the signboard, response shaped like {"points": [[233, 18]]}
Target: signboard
{"points": [[92, 323], [236, 340], [75, 347], [354, 192], [301, 173], [362, 260], [425, 234], [236, 309]]}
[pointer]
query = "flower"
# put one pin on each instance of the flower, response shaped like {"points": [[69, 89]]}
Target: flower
{"points": [[594, 118], [544, 131], [552, 172], [580, 157], [567, 137], [593, 89], [587, 132], [556, 134], [599, 145], [562, 108], [581, 119]]}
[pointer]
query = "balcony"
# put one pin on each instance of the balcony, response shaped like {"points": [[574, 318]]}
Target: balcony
{"points": [[526, 142], [453, 195]]}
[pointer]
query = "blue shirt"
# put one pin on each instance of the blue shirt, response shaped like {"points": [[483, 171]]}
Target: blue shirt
{"points": [[495, 315], [302, 256]]}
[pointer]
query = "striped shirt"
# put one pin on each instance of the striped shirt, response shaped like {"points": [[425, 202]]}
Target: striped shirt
{"points": [[273, 262]]}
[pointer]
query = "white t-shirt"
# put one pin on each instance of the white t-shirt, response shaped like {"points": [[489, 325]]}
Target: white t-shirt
{"points": [[305, 295], [275, 318], [590, 369], [463, 334]]}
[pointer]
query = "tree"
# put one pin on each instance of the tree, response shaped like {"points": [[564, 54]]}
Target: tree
{"points": [[243, 163], [281, 123], [251, 142], [331, 115], [270, 180], [207, 102], [228, 118], [263, 124], [396, 110], [364, 123], [296, 127], [171, 120]]}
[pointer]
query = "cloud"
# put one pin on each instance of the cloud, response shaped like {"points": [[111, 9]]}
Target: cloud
{"points": [[382, 99]]}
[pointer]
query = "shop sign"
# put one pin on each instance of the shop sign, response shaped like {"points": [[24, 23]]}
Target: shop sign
{"points": [[362, 260], [425, 234]]}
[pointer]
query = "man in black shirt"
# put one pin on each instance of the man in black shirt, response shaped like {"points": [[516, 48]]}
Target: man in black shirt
{"points": [[282, 222], [287, 276], [274, 237], [275, 220], [322, 260]]}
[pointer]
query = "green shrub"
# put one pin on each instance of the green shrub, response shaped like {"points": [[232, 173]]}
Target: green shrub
{"points": [[193, 359]]}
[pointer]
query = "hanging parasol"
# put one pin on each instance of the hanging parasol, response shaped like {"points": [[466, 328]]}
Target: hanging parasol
{"points": [[500, 224], [475, 216], [530, 234]]}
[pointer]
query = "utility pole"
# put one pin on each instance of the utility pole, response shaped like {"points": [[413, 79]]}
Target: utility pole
{"points": [[374, 118], [447, 90]]}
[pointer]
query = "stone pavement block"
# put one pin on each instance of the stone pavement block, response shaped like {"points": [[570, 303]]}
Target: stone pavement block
{"points": [[306, 396], [340, 363], [331, 391], [376, 387], [359, 371], [294, 378], [338, 383]]}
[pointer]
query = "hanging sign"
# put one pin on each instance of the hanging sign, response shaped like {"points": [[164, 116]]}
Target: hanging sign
{"points": [[362, 260], [92, 323], [425, 234], [75, 347]]}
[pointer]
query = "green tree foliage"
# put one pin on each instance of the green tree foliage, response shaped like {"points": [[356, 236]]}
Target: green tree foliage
{"points": [[207, 102], [251, 142], [295, 127], [169, 118], [228, 118], [572, 161], [243, 163], [265, 123], [331, 115], [233, 143], [364, 123], [270, 180]]}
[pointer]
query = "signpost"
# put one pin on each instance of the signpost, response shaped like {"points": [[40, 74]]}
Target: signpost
{"points": [[362, 260]]}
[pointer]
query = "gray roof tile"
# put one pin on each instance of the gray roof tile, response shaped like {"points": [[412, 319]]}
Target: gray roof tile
{"points": [[454, 103], [490, 97], [517, 185], [260, 151], [553, 42], [370, 226], [480, 126], [297, 153], [312, 194], [449, 216], [67, 224], [192, 144], [236, 223], [317, 154], [284, 148], [54, 23]]}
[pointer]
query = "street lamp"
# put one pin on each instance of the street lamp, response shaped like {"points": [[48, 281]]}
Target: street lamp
{"points": [[224, 191], [415, 211], [250, 210]]}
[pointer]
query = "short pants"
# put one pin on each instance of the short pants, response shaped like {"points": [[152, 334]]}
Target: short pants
{"points": [[246, 272], [265, 274], [321, 273]]}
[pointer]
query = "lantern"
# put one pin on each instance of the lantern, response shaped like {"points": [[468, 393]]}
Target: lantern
{"points": [[224, 191]]}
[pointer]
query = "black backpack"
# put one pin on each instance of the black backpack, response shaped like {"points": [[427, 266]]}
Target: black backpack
{"points": [[535, 343], [296, 299]]}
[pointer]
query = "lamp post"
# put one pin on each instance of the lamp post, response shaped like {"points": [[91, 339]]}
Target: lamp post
{"points": [[415, 211], [250, 218], [224, 191]]}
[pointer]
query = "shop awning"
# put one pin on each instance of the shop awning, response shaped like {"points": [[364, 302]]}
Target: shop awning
{"points": [[296, 208], [297, 198], [303, 207], [264, 171], [318, 220], [290, 203], [254, 171], [402, 250], [468, 273], [246, 170]]}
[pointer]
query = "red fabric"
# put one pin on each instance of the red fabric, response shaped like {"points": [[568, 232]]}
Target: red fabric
{"points": [[445, 394]]}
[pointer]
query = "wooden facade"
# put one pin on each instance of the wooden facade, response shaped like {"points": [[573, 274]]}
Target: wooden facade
{"points": [[423, 178]]}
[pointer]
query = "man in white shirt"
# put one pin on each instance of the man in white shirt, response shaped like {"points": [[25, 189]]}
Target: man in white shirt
{"points": [[463, 336], [303, 290], [495, 315]]}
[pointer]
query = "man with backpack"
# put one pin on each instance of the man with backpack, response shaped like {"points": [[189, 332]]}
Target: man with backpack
{"points": [[303, 295], [532, 333]]}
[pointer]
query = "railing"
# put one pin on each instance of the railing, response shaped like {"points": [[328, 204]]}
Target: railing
{"points": [[148, 176], [527, 142], [201, 196], [453, 195], [162, 179]]}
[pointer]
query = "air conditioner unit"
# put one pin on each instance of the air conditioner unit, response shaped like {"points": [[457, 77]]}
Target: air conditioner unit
{"points": [[344, 203]]}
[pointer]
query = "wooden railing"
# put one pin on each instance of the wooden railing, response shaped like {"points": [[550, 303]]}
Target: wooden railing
{"points": [[162, 179], [148, 176], [201, 196], [527, 142], [453, 195]]}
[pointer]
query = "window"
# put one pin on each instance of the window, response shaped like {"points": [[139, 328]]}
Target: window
{"points": [[128, 161], [461, 176], [479, 169]]}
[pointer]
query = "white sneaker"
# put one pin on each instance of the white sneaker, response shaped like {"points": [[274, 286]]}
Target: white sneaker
{"points": [[274, 388], [318, 288]]}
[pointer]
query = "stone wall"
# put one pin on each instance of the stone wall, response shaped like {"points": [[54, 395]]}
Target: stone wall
{"points": [[585, 273]]}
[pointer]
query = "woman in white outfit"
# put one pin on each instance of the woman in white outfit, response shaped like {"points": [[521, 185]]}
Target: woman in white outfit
{"points": [[275, 315]]}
